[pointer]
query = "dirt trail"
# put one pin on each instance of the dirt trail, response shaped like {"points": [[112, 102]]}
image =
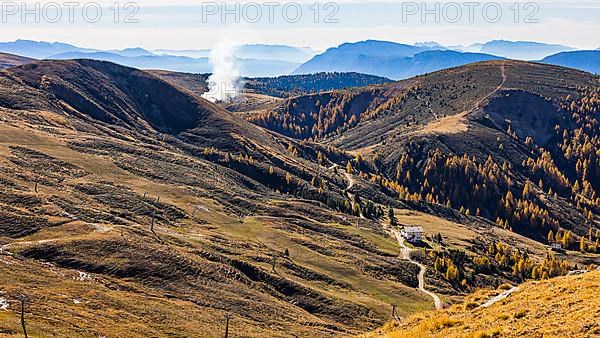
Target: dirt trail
{"points": [[499, 297], [406, 255], [4, 248], [405, 250], [351, 182], [457, 123]]}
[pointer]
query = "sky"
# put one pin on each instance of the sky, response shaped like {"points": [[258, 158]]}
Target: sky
{"points": [[160, 24]]}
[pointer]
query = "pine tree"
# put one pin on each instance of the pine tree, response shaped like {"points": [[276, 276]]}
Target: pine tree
{"points": [[358, 158], [535, 272], [567, 239], [527, 188], [582, 245], [558, 237], [550, 237], [356, 209], [391, 216], [451, 272]]}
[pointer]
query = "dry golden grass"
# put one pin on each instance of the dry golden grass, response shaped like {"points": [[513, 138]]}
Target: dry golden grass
{"points": [[447, 125], [462, 235], [336, 280], [127, 307], [560, 307], [63, 304]]}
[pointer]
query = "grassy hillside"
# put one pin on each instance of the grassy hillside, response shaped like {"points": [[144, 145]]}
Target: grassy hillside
{"points": [[195, 83], [10, 60], [559, 307], [513, 142], [129, 204], [122, 195]]}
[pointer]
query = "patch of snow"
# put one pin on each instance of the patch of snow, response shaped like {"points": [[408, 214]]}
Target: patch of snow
{"points": [[68, 215], [7, 262], [102, 228], [76, 301], [4, 303], [201, 207], [576, 272], [84, 276]]}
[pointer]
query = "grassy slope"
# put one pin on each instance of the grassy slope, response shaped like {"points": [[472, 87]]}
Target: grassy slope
{"points": [[559, 307], [260, 237], [92, 213], [464, 110], [339, 279], [10, 60], [375, 293]]}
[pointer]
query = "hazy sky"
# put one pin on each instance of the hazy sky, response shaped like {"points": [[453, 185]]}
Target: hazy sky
{"points": [[195, 24]]}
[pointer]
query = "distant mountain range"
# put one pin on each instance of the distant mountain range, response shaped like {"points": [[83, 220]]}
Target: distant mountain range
{"points": [[522, 50], [254, 51], [253, 60], [275, 52], [178, 63], [586, 60], [388, 59], [247, 67], [380, 58], [45, 50], [400, 61], [39, 49]]}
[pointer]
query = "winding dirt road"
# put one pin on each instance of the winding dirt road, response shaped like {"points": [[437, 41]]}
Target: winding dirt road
{"points": [[405, 250], [406, 255]]}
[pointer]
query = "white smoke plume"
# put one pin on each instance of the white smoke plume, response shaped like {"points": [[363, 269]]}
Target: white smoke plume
{"points": [[225, 83]]}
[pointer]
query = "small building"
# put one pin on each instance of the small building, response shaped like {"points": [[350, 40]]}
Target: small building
{"points": [[412, 234]]}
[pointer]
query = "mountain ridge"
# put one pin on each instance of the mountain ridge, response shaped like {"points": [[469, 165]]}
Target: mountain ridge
{"points": [[10, 60], [476, 111], [403, 61], [583, 60], [522, 50]]}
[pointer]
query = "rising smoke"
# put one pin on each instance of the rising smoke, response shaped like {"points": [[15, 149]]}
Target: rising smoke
{"points": [[225, 82]]}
